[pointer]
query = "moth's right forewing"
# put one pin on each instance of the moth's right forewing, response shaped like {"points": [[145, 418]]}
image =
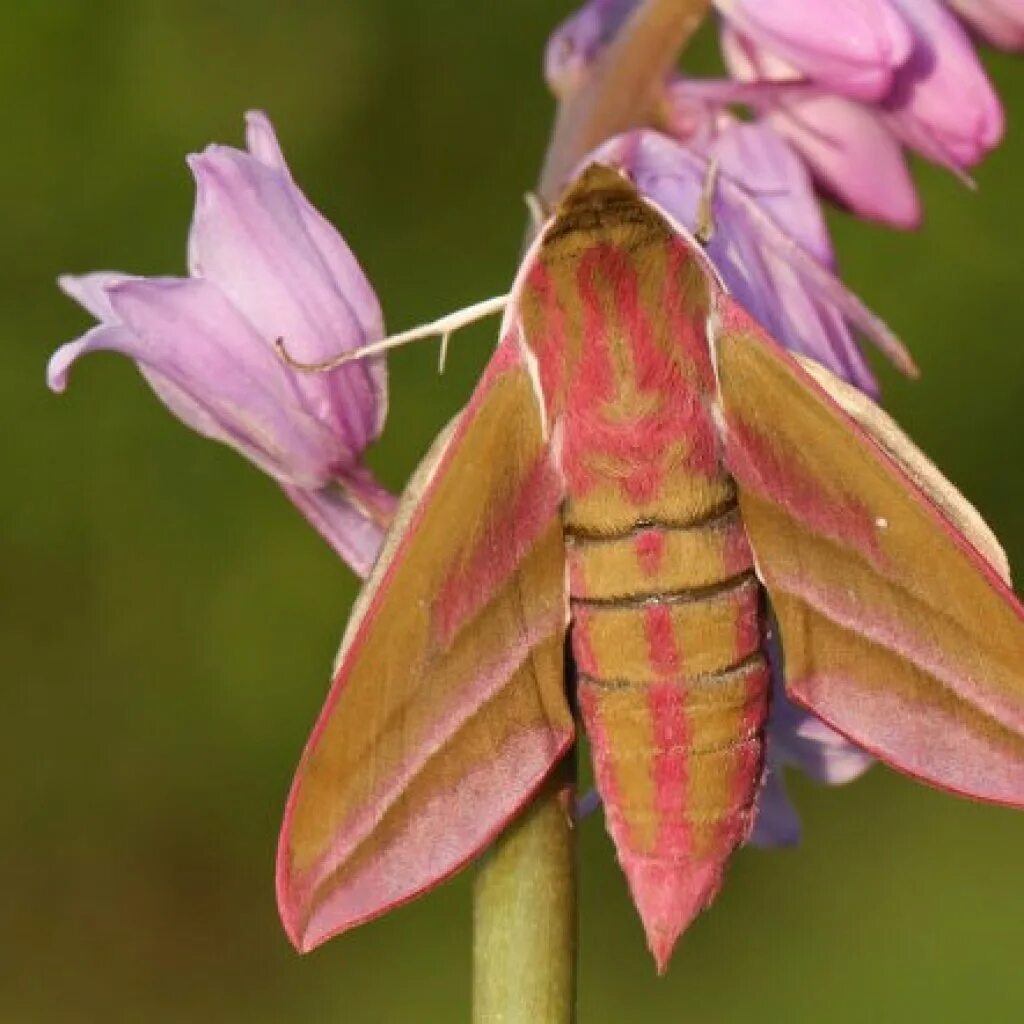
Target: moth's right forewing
{"points": [[888, 435], [447, 709], [896, 622]]}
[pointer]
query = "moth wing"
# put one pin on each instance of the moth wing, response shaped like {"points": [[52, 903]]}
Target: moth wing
{"points": [[889, 436], [897, 623], [447, 708]]}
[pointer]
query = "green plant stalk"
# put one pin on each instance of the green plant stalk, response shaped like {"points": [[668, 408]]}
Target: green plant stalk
{"points": [[524, 914]]}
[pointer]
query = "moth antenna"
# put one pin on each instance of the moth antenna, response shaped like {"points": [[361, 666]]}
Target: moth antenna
{"points": [[705, 229], [443, 328], [539, 212]]}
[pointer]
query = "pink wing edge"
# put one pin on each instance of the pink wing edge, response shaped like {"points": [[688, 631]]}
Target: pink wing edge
{"points": [[508, 355], [732, 316]]}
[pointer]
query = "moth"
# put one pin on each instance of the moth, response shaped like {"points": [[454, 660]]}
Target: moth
{"points": [[646, 488]]}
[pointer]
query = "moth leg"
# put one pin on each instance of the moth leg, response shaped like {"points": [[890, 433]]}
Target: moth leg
{"points": [[705, 229]]}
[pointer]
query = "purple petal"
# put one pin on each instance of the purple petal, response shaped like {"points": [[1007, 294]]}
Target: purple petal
{"points": [[342, 522], [587, 804], [579, 41], [756, 157], [205, 364], [801, 739], [776, 822], [756, 257], [341, 261], [851, 47], [1001, 22], [102, 338], [249, 237], [849, 147], [853, 156], [943, 103], [813, 328], [90, 291]]}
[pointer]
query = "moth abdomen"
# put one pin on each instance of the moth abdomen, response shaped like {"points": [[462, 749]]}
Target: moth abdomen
{"points": [[673, 689]]}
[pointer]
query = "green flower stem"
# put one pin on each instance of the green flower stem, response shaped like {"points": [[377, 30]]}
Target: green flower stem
{"points": [[524, 914]]}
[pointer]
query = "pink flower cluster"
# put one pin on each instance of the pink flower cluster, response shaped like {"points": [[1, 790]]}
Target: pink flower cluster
{"points": [[849, 86], [263, 264]]}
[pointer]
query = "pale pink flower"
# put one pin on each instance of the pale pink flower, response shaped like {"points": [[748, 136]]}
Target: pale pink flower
{"points": [[263, 264], [939, 103], [852, 47], [942, 103]]}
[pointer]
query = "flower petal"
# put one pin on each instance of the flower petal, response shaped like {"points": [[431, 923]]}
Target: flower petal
{"points": [[343, 522], [579, 40], [848, 146], [249, 237], [756, 157], [349, 276], [801, 739], [90, 291], [776, 822], [1001, 22], [847, 46], [262, 143], [205, 363], [102, 338], [943, 103], [852, 155]]}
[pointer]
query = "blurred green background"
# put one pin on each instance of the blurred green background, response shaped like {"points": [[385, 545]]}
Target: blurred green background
{"points": [[167, 621]]}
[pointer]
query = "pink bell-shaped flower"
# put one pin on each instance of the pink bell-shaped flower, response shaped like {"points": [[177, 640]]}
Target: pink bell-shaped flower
{"points": [[263, 265]]}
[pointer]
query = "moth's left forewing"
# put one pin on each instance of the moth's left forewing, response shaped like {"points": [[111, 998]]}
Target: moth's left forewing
{"points": [[447, 708], [896, 624]]}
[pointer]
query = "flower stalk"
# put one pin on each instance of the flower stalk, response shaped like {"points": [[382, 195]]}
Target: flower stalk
{"points": [[623, 88], [524, 914]]}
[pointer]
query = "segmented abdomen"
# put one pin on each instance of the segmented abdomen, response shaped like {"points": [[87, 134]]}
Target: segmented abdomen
{"points": [[665, 606], [673, 690]]}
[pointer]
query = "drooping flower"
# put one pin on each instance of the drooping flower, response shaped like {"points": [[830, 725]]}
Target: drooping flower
{"points": [[940, 103], [263, 264]]}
